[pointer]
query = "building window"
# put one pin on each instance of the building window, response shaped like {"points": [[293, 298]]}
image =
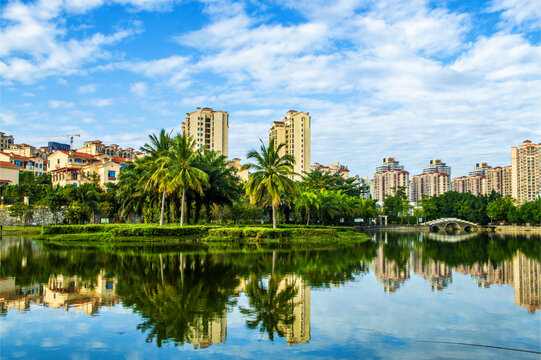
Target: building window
{"points": [[111, 174]]}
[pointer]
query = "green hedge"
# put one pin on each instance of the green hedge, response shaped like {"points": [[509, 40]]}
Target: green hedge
{"points": [[251, 232], [314, 232], [126, 230]]}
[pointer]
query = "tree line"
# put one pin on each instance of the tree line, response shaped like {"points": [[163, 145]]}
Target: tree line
{"points": [[177, 183]]}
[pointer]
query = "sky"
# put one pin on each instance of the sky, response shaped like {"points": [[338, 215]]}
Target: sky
{"points": [[415, 80]]}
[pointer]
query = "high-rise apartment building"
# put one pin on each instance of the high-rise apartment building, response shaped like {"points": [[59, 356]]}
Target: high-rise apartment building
{"points": [[479, 169], [475, 184], [437, 166], [389, 164], [428, 184], [5, 141], [526, 171], [389, 177], [294, 131], [209, 129], [498, 179]]}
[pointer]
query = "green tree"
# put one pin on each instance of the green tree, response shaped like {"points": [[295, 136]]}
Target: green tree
{"points": [[396, 205], [177, 169], [157, 147], [499, 209], [270, 176]]}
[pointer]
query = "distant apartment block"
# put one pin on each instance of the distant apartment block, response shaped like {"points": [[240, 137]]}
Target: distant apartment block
{"points": [[294, 132], [209, 129], [389, 164], [333, 169], [474, 184], [52, 146], [526, 171], [428, 184], [438, 166], [479, 169], [97, 147], [498, 179], [237, 169], [389, 177], [5, 141]]}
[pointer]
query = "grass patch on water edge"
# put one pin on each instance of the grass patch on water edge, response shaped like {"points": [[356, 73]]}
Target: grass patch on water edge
{"points": [[21, 230], [198, 238]]}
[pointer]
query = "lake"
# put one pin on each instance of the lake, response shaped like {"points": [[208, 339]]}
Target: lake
{"points": [[402, 295]]}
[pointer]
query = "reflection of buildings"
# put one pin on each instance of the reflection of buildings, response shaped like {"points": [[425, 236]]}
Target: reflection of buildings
{"points": [[205, 333], [299, 331], [436, 273], [15, 297], [389, 273], [521, 273], [487, 274], [527, 282], [61, 291]]}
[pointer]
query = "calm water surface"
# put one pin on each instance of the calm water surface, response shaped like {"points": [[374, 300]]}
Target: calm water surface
{"points": [[403, 296]]}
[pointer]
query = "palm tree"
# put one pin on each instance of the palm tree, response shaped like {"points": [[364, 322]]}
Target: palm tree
{"points": [[177, 168], [271, 308], [307, 201], [223, 187], [271, 175], [158, 146]]}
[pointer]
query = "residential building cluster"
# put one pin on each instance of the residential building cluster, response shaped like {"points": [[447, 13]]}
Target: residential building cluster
{"points": [[94, 161], [210, 130], [521, 179]]}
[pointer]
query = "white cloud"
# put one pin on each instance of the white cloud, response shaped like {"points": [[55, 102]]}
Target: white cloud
{"points": [[57, 104], [88, 120], [8, 119], [101, 102], [87, 89], [139, 89], [32, 41], [520, 13]]}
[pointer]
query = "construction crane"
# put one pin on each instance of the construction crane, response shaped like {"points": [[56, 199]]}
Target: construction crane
{"points": [[71, 136]]}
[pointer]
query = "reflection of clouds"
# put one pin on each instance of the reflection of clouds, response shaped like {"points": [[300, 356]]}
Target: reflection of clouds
{"points": [[48, 342]]}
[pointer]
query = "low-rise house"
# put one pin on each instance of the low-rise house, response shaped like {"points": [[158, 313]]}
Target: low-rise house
{"points": [[9, 173], [68, 159], [35, 164]]}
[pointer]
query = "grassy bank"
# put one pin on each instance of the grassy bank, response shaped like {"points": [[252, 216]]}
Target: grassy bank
{"points": [[214, 237], [21, 230]]}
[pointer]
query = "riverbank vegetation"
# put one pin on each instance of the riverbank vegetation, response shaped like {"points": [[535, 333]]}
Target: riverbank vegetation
{"points": [[482, 209], [177, 184]]}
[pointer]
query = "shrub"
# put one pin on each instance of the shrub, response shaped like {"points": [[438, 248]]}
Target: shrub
{"points": [[314, 232], [126, 230], [250, 232]]}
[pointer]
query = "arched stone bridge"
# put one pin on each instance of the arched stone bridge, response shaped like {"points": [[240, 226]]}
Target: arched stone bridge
{"points": [[452, 224]]}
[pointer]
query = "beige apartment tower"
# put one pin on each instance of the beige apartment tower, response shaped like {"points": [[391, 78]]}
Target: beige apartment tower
{"points": [[209, 129], [526, 171], [294, 131], [431, 184]]}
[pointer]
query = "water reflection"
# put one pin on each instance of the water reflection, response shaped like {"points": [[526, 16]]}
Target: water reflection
{"points": [[187, 298]]}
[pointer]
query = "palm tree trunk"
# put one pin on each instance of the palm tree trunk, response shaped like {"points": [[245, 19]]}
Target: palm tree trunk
{"points": [[273, 216], [308, 216], [163, 205], [182, 206]]}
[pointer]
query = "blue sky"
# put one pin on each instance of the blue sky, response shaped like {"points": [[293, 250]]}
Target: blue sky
{"points": [[456, 80]]}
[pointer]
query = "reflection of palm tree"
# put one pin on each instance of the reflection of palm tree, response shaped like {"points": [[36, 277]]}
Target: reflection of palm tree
{"points": [[271, 308]]}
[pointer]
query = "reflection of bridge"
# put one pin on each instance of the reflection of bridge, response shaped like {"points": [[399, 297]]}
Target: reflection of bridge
{"points": [[449, 237], [451, 224]]}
